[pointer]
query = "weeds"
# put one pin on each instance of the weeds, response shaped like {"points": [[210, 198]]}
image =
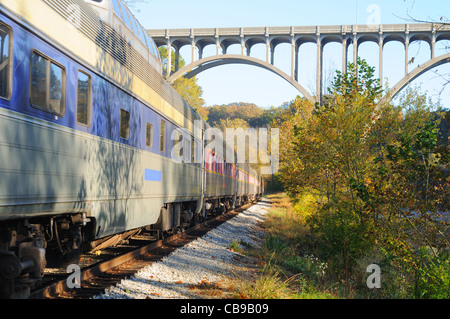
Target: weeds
{"points": [[296, 263], [287, 271], [235, 246]]}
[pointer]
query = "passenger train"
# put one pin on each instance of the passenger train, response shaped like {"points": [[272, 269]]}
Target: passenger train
{"points": [[86, 139]]}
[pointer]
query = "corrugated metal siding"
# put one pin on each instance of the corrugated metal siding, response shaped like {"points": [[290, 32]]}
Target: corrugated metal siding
{"points": [[113, 43]]}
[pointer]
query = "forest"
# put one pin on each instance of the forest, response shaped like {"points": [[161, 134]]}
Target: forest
{"points": [[361, 182]]}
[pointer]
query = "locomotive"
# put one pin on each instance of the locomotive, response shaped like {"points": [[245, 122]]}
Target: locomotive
{"points": [[87, 126]]}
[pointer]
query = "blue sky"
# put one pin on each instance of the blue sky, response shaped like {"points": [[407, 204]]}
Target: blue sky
{"points": [[238, 83]]}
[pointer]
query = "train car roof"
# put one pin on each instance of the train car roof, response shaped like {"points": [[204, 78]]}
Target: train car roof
{"points": [[116, 14]]}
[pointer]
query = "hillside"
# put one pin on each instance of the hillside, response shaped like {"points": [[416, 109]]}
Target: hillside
{"points": [[240, 114]]}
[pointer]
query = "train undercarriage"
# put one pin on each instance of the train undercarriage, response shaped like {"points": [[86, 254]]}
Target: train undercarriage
{"points": [[28, 246]]}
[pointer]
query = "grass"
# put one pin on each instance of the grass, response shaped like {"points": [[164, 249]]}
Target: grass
{"points": [[235, 246], [288, 268]]}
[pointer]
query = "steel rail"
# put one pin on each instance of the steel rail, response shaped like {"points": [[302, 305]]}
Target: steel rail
{"points": [[60, 287]]}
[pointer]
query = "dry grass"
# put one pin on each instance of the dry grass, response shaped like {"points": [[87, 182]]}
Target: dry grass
{"points": [[280, 275]]}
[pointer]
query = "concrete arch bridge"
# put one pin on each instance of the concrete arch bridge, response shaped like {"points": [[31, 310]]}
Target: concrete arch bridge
{"points": [[223, 38]]}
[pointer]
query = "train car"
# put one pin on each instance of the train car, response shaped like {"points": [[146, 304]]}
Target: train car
{"points": [[86, 138]]}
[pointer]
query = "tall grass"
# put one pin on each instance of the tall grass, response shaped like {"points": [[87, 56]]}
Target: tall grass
{"points": [[288, 267], [295, 262]]}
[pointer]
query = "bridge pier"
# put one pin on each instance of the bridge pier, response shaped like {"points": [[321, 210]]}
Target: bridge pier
{"points": [[433, 43], [380, 45], [193, 48], [293, 57], [407, 53], [297, 48], [355, 48], [177, 60], [319, 75], [344, 53], [169, 57]]}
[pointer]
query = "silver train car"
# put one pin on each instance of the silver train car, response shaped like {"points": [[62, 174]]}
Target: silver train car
{"points": [[86, 139]]}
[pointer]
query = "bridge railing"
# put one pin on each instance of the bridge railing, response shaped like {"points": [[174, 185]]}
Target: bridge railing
{"points": [[298, 35], [297, 30]]}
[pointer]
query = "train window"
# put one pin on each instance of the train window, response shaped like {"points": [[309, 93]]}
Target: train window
{"points": [[216, 164], [56, 94], [117, 8], [38, 81], [208, 159], [187, 146], [96, 2], [154, 48], [124, 124], [133, 22], [126, 18], [84, 98], [149, 42], [162, 136], [47, 85], [142, 35], [5, 61], [193, 150], [149, 135]]}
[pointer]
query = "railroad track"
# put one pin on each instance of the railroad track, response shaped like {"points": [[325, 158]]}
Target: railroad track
{"points": [[123, 261]]}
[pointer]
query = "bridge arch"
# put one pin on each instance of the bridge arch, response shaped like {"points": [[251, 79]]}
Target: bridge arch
{"points": [[443, 59], [204, 64]]}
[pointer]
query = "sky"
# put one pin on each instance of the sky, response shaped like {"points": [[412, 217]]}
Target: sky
{"points": [[241, 83]]}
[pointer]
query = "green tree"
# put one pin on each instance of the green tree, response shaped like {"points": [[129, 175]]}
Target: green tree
{"points": [[190, 91], [231, 123], [248, 112], [378, 173], [187, 88]]}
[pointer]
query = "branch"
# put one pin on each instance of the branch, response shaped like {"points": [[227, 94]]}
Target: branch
{"points": [[133, 4], [443, 21]]}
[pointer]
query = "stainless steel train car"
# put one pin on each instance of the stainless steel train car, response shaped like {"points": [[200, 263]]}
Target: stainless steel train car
{"points": [[86, 143]]}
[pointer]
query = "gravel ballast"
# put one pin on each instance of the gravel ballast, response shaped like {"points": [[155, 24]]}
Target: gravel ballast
{"points": [[208, 259]]}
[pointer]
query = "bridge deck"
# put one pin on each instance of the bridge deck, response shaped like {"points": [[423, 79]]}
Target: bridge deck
{"points": [[222, 38]]}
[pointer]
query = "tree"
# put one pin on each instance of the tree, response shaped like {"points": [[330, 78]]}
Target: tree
{"points": [[377, 171], [296, 115], [134, 4], [437, 24], [231, 123], [248, 112], [187, 88], [190, 91]]}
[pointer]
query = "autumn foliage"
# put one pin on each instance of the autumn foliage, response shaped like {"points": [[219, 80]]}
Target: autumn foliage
{"points": [[380, 178]]}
